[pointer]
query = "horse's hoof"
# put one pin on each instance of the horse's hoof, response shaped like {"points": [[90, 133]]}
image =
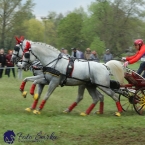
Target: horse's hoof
{"points": [[36, 112], [83, 114], [98, 112], [24, 94], [66, 111], [117, 114], [28, 109], [35, 96]]}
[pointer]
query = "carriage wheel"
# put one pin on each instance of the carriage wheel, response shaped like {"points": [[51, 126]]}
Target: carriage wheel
{"points": [[139, 101], [126, 102]]}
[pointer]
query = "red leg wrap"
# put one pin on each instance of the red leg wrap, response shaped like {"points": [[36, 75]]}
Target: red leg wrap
{"points": [[42, 104], [90, 109], [22, 86], [119, 106], [34, 104], [72, 106], [32, 89], [101, 107]]}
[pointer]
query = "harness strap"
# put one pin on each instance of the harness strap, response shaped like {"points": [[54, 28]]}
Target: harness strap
{"points": [[89, 71], [69, 71]]}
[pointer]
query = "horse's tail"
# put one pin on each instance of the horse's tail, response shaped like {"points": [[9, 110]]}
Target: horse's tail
{"points": [[117, 70]]}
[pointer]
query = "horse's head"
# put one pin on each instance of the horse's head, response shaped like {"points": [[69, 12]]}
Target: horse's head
{"points": [[28, 56], [18, 49]]}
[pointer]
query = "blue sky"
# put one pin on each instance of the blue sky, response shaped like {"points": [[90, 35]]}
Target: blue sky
{"points": [[42, 7]]}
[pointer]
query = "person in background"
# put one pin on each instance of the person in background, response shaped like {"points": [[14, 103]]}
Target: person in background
{"points": [[87, 54], [94, 56], [2, 61], [81, 53], [66, 52], [107, 56], [75, 53], [9, 64], [62, 50]]}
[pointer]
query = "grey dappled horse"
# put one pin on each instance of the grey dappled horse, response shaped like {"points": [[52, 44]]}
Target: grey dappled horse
{"points": [[40, 79], [84, 72]]}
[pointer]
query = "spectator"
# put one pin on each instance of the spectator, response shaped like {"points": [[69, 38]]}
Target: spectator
{"points": [[66, 52], [87, 54], [76, 53], [2, 61], [81, 53], [9, 64], [94, 56], [108, 56], [62, 50]]}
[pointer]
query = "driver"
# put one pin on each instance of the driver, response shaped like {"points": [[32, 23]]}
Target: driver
{"points": [[140, 47]]}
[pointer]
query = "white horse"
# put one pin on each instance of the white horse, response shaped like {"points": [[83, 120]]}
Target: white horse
{"points": [[39, 79], [84, 72]]}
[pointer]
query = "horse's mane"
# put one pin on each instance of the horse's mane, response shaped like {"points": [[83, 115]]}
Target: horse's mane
{"points": [[45, 46]]}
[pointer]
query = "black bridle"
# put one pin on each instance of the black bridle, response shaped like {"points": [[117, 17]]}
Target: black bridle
{"points": [[17, 49]]}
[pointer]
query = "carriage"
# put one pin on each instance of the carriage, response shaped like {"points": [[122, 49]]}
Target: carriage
{"points": [[132, 93]]}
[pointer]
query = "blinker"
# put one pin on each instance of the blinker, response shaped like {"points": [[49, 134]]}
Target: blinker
{"points": [[27, 55], [16, 48]]}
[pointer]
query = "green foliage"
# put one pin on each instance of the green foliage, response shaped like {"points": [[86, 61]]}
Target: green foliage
{"points": [[113, 23], [34, 30], [12, 14], [98, 45], [116, 23], [50, 33], [69, 31]]}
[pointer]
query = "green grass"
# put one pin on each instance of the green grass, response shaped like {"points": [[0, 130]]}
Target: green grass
{"points": [[70, 129]]}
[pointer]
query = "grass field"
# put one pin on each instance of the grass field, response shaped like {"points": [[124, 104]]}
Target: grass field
{"points": [[69, 129]]}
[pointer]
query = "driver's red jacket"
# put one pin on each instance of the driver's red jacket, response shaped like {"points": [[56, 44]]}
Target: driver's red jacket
{"points": [[137, 56]]}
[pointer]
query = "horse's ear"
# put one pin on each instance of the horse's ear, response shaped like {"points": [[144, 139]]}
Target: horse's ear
{"points": [[27, 47], [22, 38], [18, 40]]}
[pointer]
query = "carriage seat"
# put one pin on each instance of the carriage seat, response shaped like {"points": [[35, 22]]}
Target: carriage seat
{"points": [[136, 76], [133, 78]]}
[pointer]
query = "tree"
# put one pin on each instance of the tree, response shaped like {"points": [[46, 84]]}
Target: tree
{"points": [[12, 15], [98, 45], [69, 31], [115, 22], [34, 30]]}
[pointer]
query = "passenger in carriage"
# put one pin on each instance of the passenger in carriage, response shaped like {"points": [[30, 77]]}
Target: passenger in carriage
{"points": [[140, 47]]}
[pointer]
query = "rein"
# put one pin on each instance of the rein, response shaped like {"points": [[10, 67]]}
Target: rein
{"points": [[57, 59]]}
